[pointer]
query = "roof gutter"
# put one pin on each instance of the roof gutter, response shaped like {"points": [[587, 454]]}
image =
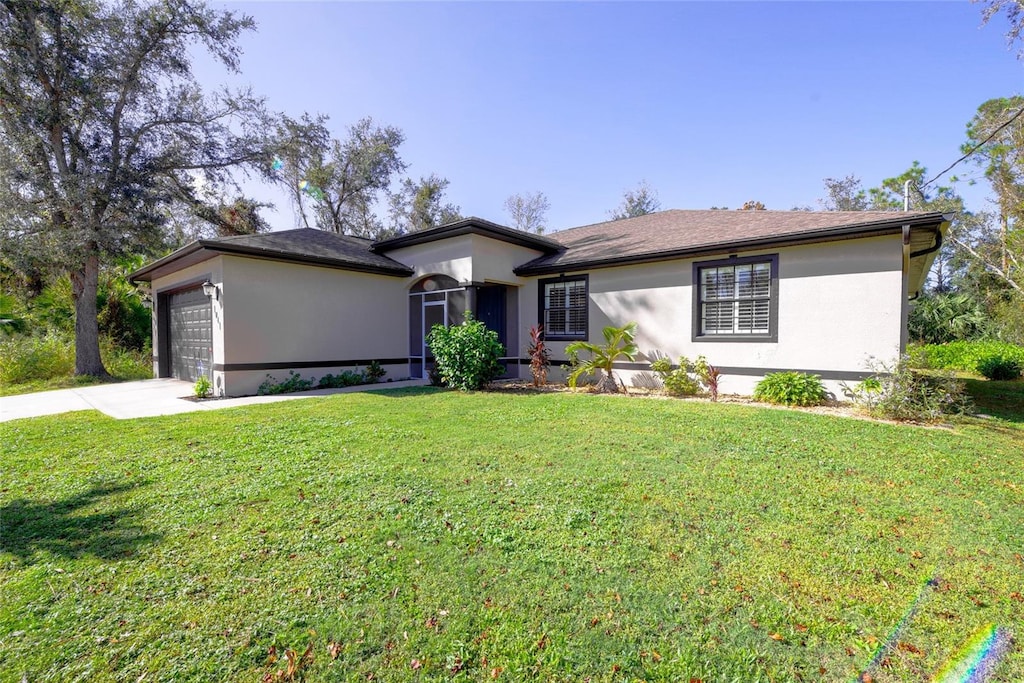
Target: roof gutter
{"points": [[932, 249], [906, 270], [936, 246]]}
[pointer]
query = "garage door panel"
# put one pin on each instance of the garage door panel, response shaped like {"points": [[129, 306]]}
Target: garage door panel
{"points": [[190, 334]]}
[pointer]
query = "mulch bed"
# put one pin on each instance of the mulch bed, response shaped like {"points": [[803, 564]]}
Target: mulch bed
{"points": [[836, 408]]}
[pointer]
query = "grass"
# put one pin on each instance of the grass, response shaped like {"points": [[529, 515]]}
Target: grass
{"points": [[425, 535], [1003, 400]]}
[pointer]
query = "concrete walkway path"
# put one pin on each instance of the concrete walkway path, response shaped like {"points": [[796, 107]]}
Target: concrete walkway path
{"points": [[150, 397]]}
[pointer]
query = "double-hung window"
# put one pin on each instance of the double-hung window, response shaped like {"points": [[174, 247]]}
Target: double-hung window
{"points": [[736, 299], [563, 307]]}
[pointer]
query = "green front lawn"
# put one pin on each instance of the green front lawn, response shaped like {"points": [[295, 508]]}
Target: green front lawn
{"points": [[425, 535]]}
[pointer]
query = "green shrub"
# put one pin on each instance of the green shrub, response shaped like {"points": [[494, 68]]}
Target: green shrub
{"points": [[12, 315], [941, 318], [202, 387], [1009, 318], [26, 358], [708, 375], [791, 389], [39, 357], [271, 386], [901, 393], [374, 372], [120, 312], [677, 380], [466, 356], [126, 363], [347, 378], [999, 367], [962, 355]]}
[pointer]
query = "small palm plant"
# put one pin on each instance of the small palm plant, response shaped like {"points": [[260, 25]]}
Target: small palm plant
{"points": [[618, 344]]}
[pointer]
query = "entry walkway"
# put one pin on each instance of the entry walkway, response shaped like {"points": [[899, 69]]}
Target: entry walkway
{"points": [[150, 397]]}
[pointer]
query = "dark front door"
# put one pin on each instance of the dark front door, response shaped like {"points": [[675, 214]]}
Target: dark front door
{"points": [[190, 334], [490, 309]]}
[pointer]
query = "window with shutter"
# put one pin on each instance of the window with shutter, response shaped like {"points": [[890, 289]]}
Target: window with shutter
{"points": [[736, 299], [563, 307]]}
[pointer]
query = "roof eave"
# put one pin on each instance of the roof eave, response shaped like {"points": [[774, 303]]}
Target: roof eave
{"points": [[144, 274], [929, 255], [217, 248], [861, 230], [470, 226]]}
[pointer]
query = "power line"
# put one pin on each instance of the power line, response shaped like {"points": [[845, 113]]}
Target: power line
{"points": [[974, 149]]}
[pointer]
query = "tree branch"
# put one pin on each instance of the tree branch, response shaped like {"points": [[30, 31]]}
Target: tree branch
{"points": [[988, 266]]}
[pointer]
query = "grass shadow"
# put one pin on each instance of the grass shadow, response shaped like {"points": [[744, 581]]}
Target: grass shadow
{"points": [[30, 528], [1004, 400]]}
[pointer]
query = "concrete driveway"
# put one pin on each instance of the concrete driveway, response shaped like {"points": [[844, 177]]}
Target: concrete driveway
{"points": [[149, 397]]}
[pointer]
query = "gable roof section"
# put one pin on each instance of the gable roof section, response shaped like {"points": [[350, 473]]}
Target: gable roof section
{"points": [[678, 234], [303, 245], [471, 226]]}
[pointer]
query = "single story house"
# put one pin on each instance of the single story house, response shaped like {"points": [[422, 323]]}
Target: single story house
{"points": [[753, 291]]}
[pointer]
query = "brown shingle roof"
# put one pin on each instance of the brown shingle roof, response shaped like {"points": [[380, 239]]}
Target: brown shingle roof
{"points": [[316, 244], [303, 245], [676, 233]]}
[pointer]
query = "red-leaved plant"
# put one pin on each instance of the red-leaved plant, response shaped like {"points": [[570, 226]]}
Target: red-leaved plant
{"points": [[709, 376], [540, 356]]}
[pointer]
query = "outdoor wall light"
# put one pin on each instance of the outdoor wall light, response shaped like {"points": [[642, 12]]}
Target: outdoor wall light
{"points": [[210, 290]]}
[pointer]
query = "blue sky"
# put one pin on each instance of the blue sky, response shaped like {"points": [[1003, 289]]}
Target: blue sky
{"points": [[712, 103]]}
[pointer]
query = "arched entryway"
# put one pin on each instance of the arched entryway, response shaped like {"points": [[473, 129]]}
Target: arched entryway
{"points": [[441, 300]]}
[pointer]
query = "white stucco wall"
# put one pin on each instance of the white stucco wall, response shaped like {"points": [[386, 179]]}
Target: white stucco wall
{"points": [[452, 257], [840, 304], [495, 261], [277, 312], [467, 258]]}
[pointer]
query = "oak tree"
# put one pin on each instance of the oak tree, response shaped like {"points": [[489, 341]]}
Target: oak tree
{"points": [[103, 126], [335, 184]]}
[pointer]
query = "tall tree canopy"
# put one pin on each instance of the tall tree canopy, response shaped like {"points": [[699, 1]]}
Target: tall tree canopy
{"points": [[334, 184], [528, 211], [420, 205], [103, 125], [643, 200], [995, 141], [889, 196], [1014, 12], [844, 194]]}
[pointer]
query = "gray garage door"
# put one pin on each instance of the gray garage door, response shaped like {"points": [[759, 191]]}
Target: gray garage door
{"points": [[191, 334]]}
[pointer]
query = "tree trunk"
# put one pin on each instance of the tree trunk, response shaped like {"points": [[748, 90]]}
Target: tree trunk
{"points": [[607, 384], [1003, 232], [84, 285]]}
